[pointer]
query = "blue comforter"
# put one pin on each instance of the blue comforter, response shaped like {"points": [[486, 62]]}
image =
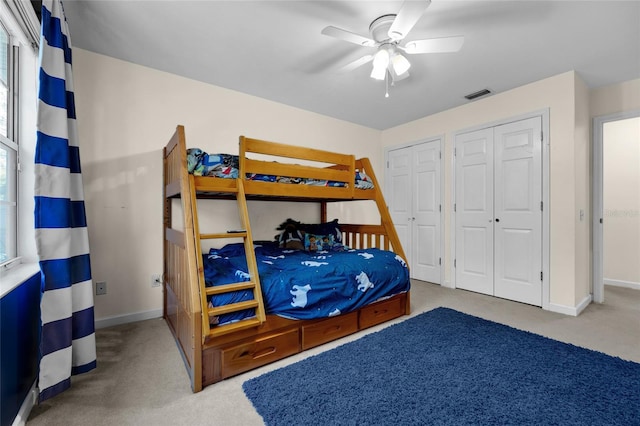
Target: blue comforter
{"points": [[306, 285]]}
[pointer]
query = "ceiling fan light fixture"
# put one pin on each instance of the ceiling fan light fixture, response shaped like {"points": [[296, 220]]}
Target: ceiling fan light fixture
{"points": [[400, 64], [378, 73], [380, 64]]}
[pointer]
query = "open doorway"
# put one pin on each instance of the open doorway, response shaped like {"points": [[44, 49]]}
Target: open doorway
{"points": [[616, 202]]}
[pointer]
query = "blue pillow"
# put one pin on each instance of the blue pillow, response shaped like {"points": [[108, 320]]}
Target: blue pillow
{"points": [[327, 228]]}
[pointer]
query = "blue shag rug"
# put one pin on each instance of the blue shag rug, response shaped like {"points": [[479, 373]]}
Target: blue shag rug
{"points": [[444, 367]]}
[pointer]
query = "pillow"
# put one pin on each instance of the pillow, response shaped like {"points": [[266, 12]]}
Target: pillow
{"points": [[317, 242], [327, 228], [291, 237]]}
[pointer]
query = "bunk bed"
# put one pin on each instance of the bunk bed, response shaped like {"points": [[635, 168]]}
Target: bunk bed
{"points": [[214, 350]]}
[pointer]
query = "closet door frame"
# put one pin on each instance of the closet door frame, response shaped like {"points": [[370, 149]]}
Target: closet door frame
{"points": [[544, 115], [440, 140]]}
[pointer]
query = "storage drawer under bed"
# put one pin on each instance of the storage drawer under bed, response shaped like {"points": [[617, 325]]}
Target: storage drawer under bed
{"points": [[329, 329], [380, 312], [246, 356]]}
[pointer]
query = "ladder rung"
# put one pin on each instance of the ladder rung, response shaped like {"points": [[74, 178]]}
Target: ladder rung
{"points": [[234, 326], [233, 307], [227, 288], [241, 234]]}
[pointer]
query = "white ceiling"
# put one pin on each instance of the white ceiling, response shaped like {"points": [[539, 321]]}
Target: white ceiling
{"points": [[274, 49]]}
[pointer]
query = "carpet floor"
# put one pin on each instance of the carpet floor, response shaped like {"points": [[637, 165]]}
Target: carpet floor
{"points": [[141, 378], [446, 367]]}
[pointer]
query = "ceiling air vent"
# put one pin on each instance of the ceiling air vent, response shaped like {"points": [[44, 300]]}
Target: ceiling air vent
{"points": [[479, 93]]}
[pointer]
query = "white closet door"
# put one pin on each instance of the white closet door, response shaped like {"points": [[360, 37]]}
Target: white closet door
{"points": [[426, 209], [518, 215], [399, 197], [474, 211], [413, 194]]}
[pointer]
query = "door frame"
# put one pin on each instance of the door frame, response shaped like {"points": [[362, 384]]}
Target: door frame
{"points": [[544, 115], [440, 139], [597, 195]]}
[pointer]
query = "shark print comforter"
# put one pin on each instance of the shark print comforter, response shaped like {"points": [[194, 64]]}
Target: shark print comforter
{"points": [[305, 285]]}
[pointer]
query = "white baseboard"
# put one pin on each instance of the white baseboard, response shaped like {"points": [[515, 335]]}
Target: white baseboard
{"points": [[447, 284], [26, 407], [571, 310], [621, 283], [125, 319]]}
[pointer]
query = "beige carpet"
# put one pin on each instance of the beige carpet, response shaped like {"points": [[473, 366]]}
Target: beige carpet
{"points": [[141, 379]]}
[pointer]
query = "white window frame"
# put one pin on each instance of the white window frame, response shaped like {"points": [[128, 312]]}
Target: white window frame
{"points": [[10, 140], [21, 23]]}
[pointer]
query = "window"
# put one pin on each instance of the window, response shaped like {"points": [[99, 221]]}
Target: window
{"points": [[19, 29], [8, 149]]}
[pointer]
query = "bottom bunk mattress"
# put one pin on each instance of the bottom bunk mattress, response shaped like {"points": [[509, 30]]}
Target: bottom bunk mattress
{"points": [[298, 284]]}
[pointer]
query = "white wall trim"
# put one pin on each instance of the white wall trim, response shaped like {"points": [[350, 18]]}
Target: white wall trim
{"points": [[128, 318], [26, 407], [622, 283], [571, 310]]}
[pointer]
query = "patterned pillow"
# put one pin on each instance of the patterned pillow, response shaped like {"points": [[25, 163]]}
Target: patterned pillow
{"points": [[327, 228], [317, 242]]}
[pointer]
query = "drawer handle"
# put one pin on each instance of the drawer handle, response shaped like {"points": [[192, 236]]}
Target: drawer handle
{"points": [[380, 312], [264, 352], [332, 329]]}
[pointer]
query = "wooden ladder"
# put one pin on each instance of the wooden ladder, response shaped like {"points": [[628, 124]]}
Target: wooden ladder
{"points": [[253, 284]]}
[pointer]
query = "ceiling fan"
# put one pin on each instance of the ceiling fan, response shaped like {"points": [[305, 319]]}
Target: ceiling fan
{"points": [[387, 36]]}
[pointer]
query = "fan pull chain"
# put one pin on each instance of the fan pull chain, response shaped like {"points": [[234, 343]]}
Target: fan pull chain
{"points": [[386, 82]]}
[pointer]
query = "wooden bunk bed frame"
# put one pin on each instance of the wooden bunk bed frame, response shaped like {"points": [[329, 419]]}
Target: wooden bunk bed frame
{"points": [[214, 353]]}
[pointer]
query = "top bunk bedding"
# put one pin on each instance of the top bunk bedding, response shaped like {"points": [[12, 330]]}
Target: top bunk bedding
{"points": [[226, 166]]}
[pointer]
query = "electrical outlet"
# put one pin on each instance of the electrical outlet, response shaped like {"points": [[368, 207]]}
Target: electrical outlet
{"points": [[156, 280], [101, 288]]}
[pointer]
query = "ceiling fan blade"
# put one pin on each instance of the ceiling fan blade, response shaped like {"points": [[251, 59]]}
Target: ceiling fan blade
{"points": [[356, 64], [345, 35], [434, 45], [407, 17]]}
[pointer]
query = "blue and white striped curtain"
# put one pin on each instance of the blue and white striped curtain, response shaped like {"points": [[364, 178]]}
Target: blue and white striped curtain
{"points": [[67, 345]]}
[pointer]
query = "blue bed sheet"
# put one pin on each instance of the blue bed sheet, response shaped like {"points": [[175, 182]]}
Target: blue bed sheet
{"points": [[306, 285]]}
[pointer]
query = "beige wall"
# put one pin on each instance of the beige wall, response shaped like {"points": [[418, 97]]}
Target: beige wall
{"points": [[621, 201], [615, 98], [582, 167], [126, 114], [568, 187]]}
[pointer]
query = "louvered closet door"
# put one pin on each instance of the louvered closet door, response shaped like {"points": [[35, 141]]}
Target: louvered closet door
{"points": [[518, 223], [474, 211]]}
